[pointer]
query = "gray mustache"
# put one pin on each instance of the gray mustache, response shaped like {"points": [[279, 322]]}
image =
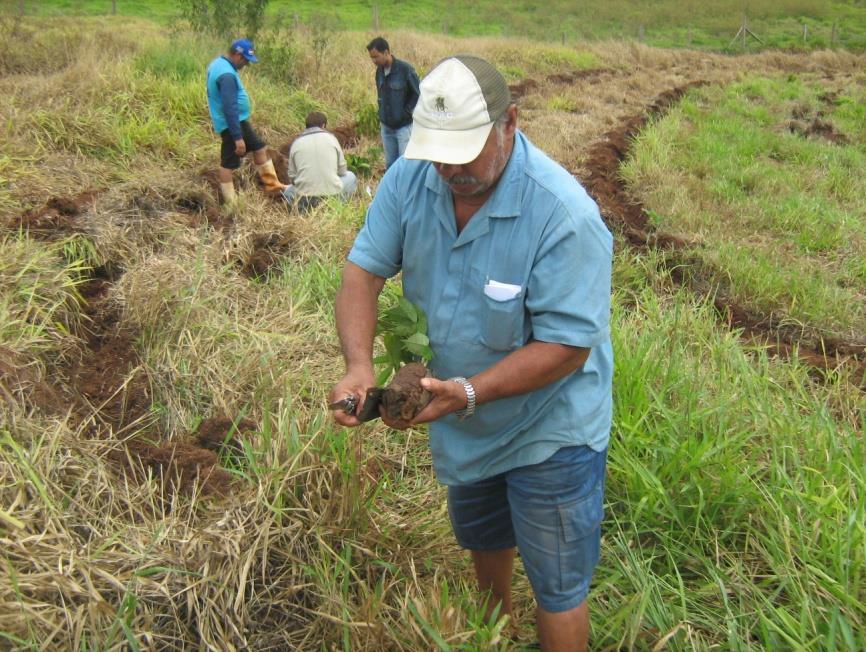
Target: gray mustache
{"points": [[462, 179]]}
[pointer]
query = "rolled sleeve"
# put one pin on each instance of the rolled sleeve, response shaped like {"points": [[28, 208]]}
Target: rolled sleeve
{"points": [[378, 248], [568, 293]]}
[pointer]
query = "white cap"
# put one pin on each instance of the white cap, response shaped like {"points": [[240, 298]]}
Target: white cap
{"points": [[460, 100]]}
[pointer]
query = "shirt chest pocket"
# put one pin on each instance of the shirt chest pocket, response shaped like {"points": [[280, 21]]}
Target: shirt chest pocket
{"points": [[502, 323], [396, 83]]}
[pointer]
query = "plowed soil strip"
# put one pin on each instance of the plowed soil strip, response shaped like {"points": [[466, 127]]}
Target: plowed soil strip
{"points": [[629, 218]]}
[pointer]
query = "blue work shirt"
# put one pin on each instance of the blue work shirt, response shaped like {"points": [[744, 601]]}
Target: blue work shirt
{"points": [[538, 231]]}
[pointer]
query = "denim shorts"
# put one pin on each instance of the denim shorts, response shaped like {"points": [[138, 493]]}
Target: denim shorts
{"points": [[551, 511]]}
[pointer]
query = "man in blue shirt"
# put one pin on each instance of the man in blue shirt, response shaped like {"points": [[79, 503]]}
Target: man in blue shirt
{"points": [[230, 109], [511, 262], [397, 88]]}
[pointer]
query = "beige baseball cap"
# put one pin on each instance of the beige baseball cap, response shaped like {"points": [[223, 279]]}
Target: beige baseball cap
{"points": [[460, 100]]}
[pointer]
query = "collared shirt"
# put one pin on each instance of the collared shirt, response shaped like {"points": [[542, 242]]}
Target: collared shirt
{"points": [[540, 233], [316, 162]]}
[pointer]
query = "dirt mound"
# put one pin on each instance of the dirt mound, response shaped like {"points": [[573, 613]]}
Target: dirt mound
{"points": [[817, 128], [589, 74], [58, 215], [629, 217], [178, 466], [268, 250], [21, 380], [107, 375], [220, 433], [113, 395], [522, 88], [346, 135]]}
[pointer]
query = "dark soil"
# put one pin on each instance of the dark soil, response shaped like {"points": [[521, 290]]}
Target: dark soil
{"points": [[59, 215], [112, 395], [220, 433], [522, 88], [628, 217], [817, 128], [404, 397], [268, 250], [525, 86], [105, 378], [179, 466]]}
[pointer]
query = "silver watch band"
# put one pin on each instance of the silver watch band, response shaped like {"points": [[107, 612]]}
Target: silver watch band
{"points": [[469, 410]]}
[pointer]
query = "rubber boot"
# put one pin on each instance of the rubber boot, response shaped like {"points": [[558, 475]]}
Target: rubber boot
{"points": [[269, 178], [227, 192]]}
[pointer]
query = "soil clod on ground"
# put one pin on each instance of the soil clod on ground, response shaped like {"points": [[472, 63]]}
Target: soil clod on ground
{"points": [[58, 215], [177, 465], [219, 433]]}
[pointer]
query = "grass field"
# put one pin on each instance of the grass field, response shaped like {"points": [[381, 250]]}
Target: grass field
{"points": [[760, 176], [735, 512], [670, 23]]}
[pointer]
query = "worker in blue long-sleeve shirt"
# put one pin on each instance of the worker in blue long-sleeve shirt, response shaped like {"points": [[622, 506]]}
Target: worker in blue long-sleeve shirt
{"points": [[230, 110]]}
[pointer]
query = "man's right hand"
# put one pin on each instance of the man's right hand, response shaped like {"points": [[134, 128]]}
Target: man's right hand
{"points": [[352, 384], [240, 147]]}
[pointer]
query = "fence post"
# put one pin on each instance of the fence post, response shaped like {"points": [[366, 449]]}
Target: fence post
{"points": [[20, 7], [689, 37], [833, 35], [563, 38], [113, 7], [805, 33], [375, 18], [641, 33]]}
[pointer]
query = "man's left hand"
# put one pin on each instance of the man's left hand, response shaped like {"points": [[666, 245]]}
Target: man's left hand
{"points": [[448, 397]]}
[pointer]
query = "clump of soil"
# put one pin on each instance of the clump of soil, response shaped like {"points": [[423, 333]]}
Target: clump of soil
{"points": [[522, 88], [177, 465], [267, 251], [219, 433], [817, 128], [404, 397], [57, 215], [346, 136]]}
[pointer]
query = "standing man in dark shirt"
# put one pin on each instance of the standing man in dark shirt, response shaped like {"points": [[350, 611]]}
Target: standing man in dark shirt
{"points": [[230, 110], [397, 86]]}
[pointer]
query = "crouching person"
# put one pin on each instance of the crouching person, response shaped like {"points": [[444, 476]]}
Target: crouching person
{"points": [[317, 166]]}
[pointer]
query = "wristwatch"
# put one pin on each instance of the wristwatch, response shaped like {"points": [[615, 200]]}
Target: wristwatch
{"points": [[469, 410]]}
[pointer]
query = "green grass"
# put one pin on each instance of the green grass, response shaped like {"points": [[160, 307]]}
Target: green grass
{"points": [[670, 23], [735, 492], [766, 204]]}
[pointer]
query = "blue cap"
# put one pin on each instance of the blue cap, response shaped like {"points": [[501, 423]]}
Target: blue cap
{"points": [[245, 47]]}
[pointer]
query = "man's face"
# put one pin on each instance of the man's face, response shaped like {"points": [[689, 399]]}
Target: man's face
{"points": [[382, 59], [238, 60], [480, 175]]}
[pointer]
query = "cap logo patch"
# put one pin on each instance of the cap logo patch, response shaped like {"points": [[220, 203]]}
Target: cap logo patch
{"points": [[441, 114]]}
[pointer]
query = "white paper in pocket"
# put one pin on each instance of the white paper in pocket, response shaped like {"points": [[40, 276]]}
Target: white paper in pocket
{"points": [[501, 291]]}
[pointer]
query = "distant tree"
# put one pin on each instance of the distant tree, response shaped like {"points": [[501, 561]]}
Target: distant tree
{"points": [[225, 18]]}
